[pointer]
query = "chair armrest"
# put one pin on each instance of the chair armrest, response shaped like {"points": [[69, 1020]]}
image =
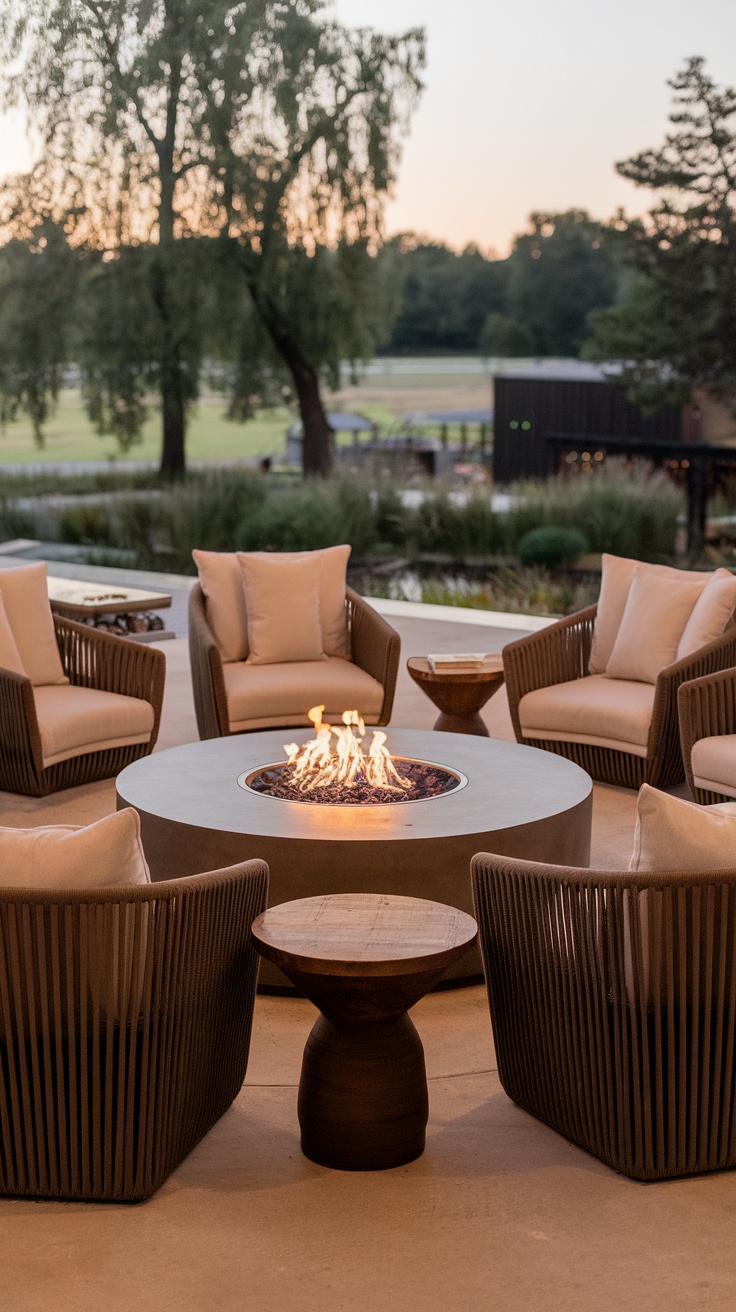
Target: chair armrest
{"points": [[208, 680], [375, 647], [93, 659], [556, 654], [19, 732], [706, 708], [717, 656]]}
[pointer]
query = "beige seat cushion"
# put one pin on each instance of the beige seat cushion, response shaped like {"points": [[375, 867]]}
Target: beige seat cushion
{"points": [[603, 712], [27, 607], [652, 625], [73, 721], [711, 614], [714, 765], [282, 602], [617, 573], [70, 856], [9, 654], [672, 834], [263, 695]]}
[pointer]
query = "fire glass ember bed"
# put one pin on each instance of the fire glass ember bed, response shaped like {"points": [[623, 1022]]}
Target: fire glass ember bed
{"points": [[199, 811]]}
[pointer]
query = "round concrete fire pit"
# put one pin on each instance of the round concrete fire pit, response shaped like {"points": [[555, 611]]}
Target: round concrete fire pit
{"points": [[196, 816]]}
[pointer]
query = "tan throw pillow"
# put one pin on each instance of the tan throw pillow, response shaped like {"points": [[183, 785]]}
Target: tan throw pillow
{"points": [[108, 853], [9, 654], [332, 583], [711, 613], [653, 622], [617, 573], [282, 605], [672, 834], [222, 585], [28, 611]]}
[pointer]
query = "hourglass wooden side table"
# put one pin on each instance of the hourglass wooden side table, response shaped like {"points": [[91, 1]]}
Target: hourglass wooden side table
{"points": [[458, 696], [363, 959]]}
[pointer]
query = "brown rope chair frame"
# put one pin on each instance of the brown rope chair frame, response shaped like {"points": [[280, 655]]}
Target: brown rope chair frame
{"points": [[125, 1022], [561, 652], [613, 1004], [90, 659], [707, 709], [374, 646]]}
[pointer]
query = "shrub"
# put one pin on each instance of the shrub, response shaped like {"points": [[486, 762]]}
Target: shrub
{"points": [[89, 525], [551, 546], [309, 517]]}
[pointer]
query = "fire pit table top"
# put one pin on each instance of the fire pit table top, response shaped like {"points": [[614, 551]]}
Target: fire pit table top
{"points": [[517, 801], [508, 785]]}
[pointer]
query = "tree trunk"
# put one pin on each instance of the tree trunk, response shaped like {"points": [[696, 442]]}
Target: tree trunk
{"points": [[317, 441], [171, 380]]}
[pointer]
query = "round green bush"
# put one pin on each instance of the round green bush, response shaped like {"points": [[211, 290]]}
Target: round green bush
{"points": [[551, 546]]}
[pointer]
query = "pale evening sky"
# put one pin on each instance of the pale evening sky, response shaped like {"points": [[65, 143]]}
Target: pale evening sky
{"points": [[527, 104]]}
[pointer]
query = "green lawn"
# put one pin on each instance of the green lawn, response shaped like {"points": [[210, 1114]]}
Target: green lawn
{"points": [[70, 436]]}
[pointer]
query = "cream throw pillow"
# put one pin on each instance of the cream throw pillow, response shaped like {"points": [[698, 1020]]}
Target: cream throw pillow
{"points": [[108, 853], [332, 582], [711, 613], [282, 603], [672, 834], [27, 608], [9, 654], [617, 573], [222, 584], [653, 623]]}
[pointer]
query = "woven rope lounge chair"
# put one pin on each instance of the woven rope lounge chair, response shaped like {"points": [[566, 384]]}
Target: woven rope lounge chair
{"points": [[613, 1003], [707, 711], [90, 660], [125, 1021], [374, 650], [560, 654]]}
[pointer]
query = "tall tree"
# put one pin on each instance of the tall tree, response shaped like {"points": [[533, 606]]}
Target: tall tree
{"points": [[38, 280], [677, 327], [557, 274], [447, 296], [264, 125]]}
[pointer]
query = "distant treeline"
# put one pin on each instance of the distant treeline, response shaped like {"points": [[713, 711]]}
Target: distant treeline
{"points": [[535, 302]]}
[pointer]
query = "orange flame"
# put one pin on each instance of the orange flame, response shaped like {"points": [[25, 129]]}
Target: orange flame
{"points": [[318, 764]]}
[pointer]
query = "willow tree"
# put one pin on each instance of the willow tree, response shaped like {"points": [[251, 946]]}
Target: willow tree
{"points": [[263, 125]]}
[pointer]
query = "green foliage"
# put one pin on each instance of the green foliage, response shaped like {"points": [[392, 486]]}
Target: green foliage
{"points": [[557, 275], [551, 546], [447, 297], [38, 276], [90, 525], [615, 511], [676, 329], [225, 510], [504, 336]]}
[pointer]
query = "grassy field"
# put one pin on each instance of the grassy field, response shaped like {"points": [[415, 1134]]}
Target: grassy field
{"points": [[211, 436]]}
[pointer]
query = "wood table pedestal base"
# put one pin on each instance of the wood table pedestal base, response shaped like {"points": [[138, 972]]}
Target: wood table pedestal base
{"points": [[363, 1102]]}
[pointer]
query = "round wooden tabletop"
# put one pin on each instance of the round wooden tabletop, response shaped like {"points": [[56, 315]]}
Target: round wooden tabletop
{"points": [[362, 934], [490, 672]]}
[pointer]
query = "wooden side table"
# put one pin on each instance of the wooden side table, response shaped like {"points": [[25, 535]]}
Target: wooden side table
{"points": [[458, 697], [363, 959]]}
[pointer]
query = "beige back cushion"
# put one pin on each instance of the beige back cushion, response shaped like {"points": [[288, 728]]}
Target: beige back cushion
{"points": [[711, 614], [107, 853], [672, 834], [29, 615], [652, 625], [9, 654], [282, 602], [616, 578], [222, 584]]}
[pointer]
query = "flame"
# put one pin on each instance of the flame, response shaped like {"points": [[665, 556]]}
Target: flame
{"points": [[320, 763]]}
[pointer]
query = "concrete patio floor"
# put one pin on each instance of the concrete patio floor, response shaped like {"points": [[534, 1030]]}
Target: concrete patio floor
{"points": [[500, 1212]]}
